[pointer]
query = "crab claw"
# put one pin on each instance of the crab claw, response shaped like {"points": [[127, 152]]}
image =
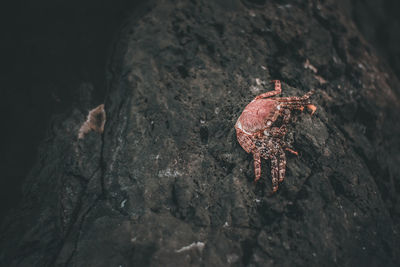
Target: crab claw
{"points": [[312, 108], [292, 151]]}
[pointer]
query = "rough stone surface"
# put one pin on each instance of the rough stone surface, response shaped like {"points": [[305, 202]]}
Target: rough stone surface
{"points": [[167, 184]]}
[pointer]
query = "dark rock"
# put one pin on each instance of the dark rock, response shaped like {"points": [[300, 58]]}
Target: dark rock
{"points": [[167, 184]]}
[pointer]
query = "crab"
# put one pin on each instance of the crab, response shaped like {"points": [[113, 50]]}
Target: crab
{"points": [[260, 131]]}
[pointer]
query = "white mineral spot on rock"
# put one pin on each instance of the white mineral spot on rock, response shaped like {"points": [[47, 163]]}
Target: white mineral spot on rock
{"points": [[252, 14], [216, 110], [307, 65], [232, 258], [194, 245], [123, 203], [254, 89], [169, 173], [257, 200], [263, 67], [335, 59], [226, 224], [202, 121]]}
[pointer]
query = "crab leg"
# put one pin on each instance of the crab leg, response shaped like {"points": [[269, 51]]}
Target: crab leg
{"points": [[274, 173], [277, 90], [275, 132], [295, 98], [292, 151], [245, 141], [300, 106], [257, 165], [282, 165], [286, 116], [281, 131]]}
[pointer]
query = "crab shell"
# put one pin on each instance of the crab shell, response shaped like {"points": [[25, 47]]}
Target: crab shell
{"points": [[258, 116]]}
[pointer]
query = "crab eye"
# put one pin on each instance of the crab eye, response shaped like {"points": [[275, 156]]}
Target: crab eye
{"points": [[278, 107], [269, 123]]}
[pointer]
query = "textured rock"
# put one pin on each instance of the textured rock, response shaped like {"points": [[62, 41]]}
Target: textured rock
{"points": [[167, 184]]}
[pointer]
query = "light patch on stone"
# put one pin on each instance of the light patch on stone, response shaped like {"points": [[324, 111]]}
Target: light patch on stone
{"points": [[94, 122], [255, 89], [232, 258], [284, 6], [195, 245], [307, 65], [361, 66], [169, 173], [123, 203]]}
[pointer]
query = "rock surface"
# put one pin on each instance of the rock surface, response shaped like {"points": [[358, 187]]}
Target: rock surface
{"points": [[167, 184]]}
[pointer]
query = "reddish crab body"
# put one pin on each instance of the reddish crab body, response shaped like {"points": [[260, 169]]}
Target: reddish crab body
{"points": [[257, 133]]}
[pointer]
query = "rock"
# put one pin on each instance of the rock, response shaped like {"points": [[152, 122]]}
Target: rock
{"points": [[167, 184]]}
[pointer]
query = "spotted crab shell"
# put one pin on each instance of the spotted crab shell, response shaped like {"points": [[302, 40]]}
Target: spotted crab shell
{"points": [[257, 115]]}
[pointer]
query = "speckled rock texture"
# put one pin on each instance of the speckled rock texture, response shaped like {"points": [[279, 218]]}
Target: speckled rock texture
{"points": [[167, 184]]}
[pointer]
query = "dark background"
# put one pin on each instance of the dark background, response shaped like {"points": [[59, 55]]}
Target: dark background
{"points": [[50, 48]]}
